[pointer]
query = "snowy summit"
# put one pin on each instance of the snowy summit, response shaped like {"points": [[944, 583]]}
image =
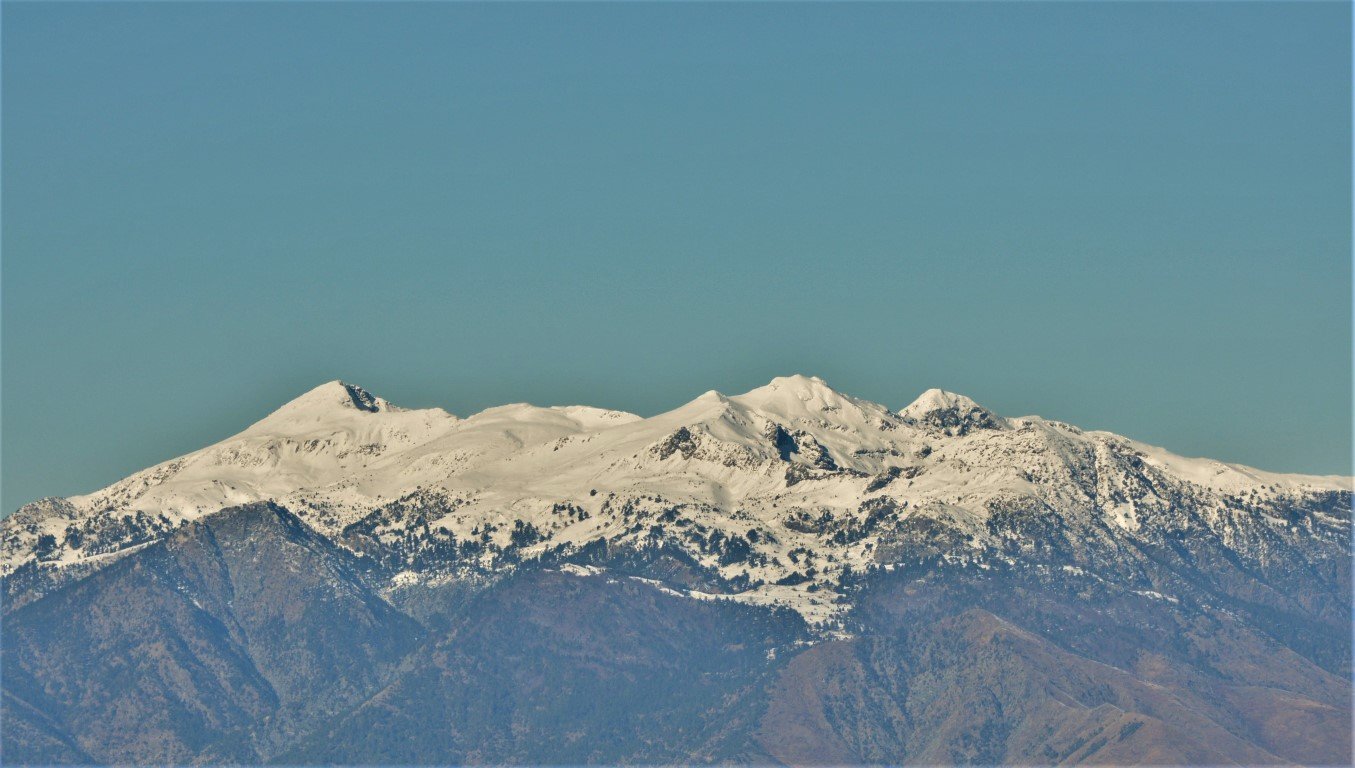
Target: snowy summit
{"points": [[779, 493]]}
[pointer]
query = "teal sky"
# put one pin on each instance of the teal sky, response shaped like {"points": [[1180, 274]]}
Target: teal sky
{"points": [[1133, 217]]}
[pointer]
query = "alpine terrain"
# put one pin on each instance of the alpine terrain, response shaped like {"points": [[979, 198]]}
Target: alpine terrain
{"points": [[787, 576]]}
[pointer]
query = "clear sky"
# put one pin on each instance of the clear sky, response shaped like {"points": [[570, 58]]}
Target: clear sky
{"points": [[1133, 217]]}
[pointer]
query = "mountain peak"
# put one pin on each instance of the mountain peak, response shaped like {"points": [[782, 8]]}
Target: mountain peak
{"points": [[938, 400], [810, 390], [335, 394], [798, 380], [331, 404], [951, 412], [810, 403]]}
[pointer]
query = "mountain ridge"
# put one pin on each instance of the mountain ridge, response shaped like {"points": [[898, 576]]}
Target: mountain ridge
{"points": [[795, 464], [789, 575]]}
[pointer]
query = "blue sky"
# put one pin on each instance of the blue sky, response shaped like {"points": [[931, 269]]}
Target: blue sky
{"points": [[1132, 217]]}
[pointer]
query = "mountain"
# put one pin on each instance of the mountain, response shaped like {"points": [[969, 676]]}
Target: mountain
{"points": [[177, 652], [788, 575]]}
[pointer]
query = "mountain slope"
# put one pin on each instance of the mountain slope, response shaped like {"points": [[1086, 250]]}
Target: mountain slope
{"points": [[791, 574], [554, 667], [973, 688], [780, 490], [178, 652]]}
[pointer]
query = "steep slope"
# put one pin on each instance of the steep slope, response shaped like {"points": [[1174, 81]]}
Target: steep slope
{"points": [[976, 689], [572, 668], [246, 637], [1208, 662], [183, 650]]}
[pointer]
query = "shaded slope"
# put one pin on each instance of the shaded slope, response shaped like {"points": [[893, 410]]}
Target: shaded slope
{"points": [[975, 689], [217, 643], [556, 668]]}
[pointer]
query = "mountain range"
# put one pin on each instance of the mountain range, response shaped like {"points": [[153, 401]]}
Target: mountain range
{"points": [[787, 576]]}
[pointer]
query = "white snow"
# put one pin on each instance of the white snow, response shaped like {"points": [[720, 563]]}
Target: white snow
{"points": [[715, 460], [937, 400]]}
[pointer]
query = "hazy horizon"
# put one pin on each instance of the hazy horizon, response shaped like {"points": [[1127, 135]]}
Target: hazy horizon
{"points": [[1129, 217]]}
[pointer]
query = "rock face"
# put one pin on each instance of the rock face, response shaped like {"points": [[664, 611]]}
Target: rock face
{"points": [[789, 575]]}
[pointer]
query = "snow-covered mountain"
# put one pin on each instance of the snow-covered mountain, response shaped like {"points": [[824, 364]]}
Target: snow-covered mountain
{"points": [[787, 576], [779, 494]]}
